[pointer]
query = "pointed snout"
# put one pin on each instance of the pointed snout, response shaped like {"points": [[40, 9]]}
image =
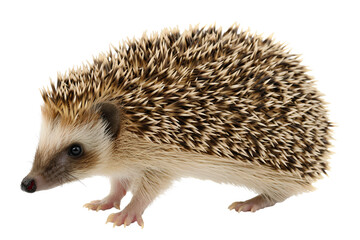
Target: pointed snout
{"points": [[28, 185]]}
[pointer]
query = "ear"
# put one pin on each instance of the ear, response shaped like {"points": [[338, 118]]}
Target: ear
{"points": [[111, 114]]}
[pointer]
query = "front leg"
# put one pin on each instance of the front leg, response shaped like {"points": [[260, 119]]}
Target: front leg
{"points": [[151, 184], [117, 192]]}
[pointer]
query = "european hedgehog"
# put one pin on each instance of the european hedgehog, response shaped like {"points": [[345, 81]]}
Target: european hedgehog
{"points": [[232, 107]]}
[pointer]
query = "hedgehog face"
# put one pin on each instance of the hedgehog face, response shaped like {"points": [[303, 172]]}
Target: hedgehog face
{"points": [[71, 151]]}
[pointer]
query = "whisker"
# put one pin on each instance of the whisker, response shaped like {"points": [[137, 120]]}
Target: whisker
{"points": [[73, 178]]}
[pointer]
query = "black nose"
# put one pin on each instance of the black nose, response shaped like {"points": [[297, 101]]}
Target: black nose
{"points": [[28, 185]]}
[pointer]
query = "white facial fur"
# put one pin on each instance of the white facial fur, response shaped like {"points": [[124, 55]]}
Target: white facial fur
{"points": [[56, 137]]}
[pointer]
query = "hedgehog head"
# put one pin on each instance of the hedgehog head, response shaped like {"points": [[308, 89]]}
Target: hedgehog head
{"points": [[72, 148]]}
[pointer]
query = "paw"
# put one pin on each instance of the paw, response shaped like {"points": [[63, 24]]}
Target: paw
{"points": [[252, 205], [106, 203], [126, 217]]}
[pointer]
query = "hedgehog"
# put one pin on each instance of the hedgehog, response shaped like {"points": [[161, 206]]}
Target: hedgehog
{"points": [[228, 106]]}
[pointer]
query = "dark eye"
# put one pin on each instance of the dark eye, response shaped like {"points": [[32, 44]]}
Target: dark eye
{"points": [[75, 150]]}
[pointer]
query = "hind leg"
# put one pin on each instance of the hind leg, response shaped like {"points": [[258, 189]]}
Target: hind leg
{"points": [[270, 195], [252, 204], [272, 186]]}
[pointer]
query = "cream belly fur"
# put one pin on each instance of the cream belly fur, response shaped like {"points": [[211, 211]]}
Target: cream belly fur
{"points": [[164, 165]]}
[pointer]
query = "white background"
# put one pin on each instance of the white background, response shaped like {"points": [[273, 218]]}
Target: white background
{"points": [[39, 39]]}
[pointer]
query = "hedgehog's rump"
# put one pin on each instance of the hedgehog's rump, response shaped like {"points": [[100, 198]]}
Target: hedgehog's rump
{"points": [[230, 94]]}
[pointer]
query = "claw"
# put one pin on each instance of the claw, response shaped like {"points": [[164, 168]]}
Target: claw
{"points": [[98, 208], [232, 206], [141, 223], [110, 218], [126, 222], [117, 205], [240, 208], [88, 206]]}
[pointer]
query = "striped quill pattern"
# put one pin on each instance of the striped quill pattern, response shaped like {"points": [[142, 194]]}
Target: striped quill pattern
{"points": [[228, 93]]}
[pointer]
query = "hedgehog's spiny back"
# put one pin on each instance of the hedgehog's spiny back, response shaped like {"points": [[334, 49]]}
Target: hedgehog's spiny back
{"points": [[230, 94]]}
